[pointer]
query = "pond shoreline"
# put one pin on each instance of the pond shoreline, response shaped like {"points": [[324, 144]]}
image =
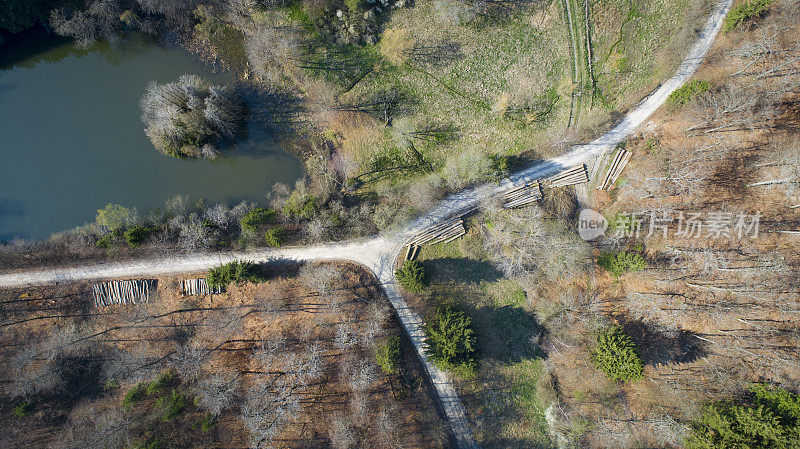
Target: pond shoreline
{"points": [[77, 97]]}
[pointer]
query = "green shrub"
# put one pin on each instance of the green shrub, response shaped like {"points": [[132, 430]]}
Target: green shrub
{"points": [[764, 418], [688, 92], [155, 443], [115, 217], [174, 406], [451, 339], [257, 217], [21, 410], [106, 241], [300, 206], [238, 271], [622, 262], [388, 355], [274, 237], [616, 355], [163, 381], [500, 165], [136, 235], [134, 395], [206, 423], [744, 11], [412, 276]]}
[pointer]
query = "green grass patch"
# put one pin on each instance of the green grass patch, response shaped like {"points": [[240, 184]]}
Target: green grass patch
{"points": [[688, 92], [744, 11]]}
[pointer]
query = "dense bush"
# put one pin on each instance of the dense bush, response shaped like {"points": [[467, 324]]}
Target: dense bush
{"points": [[257, 217], [388, 355], [114, 217], [300, 206], [765, 418], [17, 15], [238, 271], [136, 235], [412, 276], [621, 262], [452, 343], [134, 395], [616, 355], [274, 237], [744, 11], [188, 118], [172, 406], [688, 91]]}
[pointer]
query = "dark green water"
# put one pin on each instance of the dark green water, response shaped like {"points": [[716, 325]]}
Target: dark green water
{"points": [[72, 141]]}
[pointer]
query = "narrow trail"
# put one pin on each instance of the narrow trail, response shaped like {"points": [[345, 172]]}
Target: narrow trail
{"points": [[378, 254]]}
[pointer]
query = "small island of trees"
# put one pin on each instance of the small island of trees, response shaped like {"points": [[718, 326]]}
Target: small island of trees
{"points": [[191, 117]]}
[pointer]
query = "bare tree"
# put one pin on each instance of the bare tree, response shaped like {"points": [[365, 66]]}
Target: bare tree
{"points": [[339, 432], [99, 21], [188, 361], [322, 278], [273, 52], [267, 409], [217, 391]]}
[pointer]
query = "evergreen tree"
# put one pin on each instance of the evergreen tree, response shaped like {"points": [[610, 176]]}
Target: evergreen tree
{"points": [[764, 418], [616, 355]]}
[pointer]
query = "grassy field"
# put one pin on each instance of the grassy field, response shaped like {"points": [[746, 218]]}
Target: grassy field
{"points": [[501, 395], [637, 44], [520, 84]]}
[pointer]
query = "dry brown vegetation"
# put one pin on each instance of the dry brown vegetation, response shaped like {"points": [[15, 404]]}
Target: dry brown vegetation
{"points": [[288, 363], [709, 315]]}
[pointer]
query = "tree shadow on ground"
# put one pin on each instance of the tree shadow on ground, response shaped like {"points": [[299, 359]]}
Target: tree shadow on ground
{"points": [[461, 269], [659, 348], [507, 334]]}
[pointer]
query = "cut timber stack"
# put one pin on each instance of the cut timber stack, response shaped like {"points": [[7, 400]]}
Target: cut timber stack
{"points": [[618, 162], [522, 195], [131, 291], [198, 287], [445, 232], [411, 252], [571, 176]]}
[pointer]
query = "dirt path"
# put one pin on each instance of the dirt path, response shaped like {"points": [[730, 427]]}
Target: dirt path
{"points": [[378, 254]]}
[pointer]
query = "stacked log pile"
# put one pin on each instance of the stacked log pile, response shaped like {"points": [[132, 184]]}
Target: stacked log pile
{"points": [[198, 287], [133, 291], [411, 252], [441, 233], [618, 162], [571, 176], [522, 195]]}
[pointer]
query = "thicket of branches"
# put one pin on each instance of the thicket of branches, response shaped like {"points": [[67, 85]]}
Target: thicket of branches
{"points": [[259, 367], [190, 117]]}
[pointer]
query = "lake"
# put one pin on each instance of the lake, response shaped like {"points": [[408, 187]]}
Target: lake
{"points": [[72, 140]]}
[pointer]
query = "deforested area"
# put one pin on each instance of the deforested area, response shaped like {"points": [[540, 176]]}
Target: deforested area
{"points": [[291, 357]]}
